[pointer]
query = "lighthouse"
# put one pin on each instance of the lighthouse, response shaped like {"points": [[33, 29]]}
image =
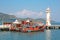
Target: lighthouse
{"points": [[48, 17]]}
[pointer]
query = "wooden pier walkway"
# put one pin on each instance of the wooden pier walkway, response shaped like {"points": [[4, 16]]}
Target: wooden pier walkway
{"points": [[53, 27]]}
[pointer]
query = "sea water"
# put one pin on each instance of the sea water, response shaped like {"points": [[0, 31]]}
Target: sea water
{"points": [[46, 35]]}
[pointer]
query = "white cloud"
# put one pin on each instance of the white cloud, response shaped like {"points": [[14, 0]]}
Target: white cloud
{"points": [[27, 13]]}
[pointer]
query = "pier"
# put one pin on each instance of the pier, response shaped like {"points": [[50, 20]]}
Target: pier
{"points": [[53, 27]]}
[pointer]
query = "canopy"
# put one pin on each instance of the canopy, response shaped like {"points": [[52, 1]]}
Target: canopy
{"points": [[16, 22], [28, 20]]}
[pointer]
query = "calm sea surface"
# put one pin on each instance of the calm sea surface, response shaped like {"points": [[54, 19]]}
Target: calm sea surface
{"points": [[46, 35]]}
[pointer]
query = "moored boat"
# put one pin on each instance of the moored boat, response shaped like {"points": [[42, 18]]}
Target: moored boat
{"points": [[26, 26]]}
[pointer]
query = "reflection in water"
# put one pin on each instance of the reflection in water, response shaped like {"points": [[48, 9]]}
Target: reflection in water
{"points": [[48, 34]]}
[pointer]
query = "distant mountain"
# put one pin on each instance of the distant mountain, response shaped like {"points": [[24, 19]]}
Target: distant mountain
{"points": [[37, 20], [6, 16], [12, 18], [40, 19]]}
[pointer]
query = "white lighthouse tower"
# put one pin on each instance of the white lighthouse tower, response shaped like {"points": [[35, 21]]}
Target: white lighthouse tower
{"points": [[48, 17]]}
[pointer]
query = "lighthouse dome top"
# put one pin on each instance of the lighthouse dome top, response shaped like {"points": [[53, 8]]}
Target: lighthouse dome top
{"points": [[48, 9]]}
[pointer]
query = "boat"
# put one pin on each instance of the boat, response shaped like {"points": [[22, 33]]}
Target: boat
{"points": [[26, 26]]}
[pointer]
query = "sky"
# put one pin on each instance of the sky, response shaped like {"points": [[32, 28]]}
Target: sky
{"points": [[31, 8]]}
